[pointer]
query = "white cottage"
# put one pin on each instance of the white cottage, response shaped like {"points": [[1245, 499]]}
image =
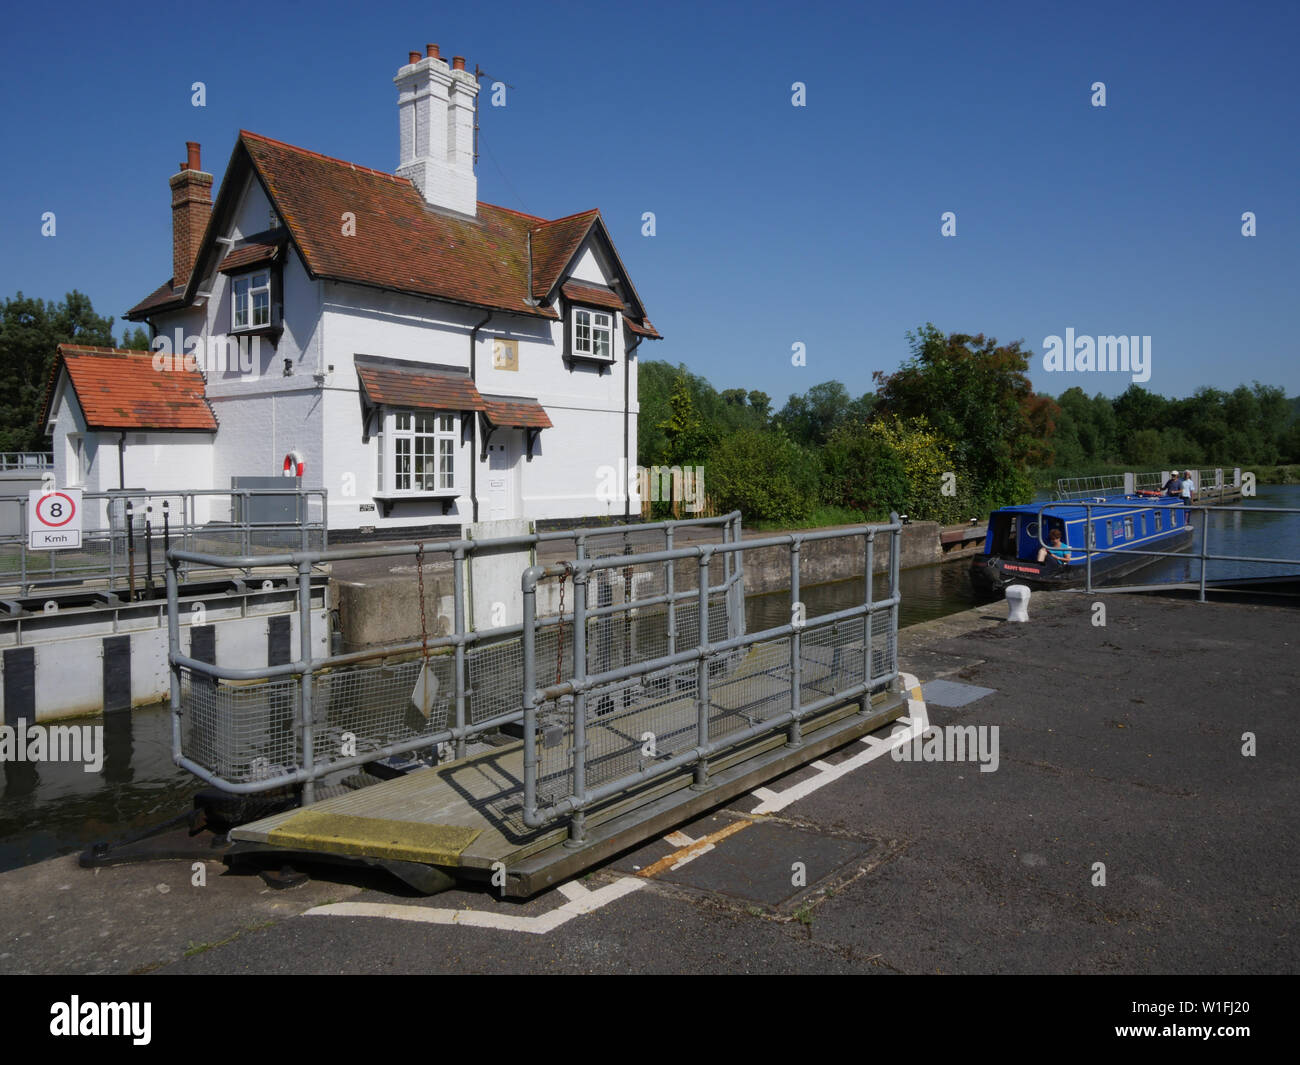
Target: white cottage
{"points": [[432, 360]]}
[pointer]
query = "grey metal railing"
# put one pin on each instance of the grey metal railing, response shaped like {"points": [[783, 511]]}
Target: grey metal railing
{"points": [[1090, 549], [251, 729], [603, 731], [1218, 482], [26, 460], [126, 534]]}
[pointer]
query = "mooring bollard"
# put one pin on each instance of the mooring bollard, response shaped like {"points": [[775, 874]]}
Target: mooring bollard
{"points": [[1017, 602]]}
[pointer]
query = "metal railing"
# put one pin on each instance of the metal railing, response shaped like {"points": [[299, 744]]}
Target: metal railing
{"points": [[126, 534], [26, 460], [612, 727], [1090, 549], [1217, 482], [251, 729]]}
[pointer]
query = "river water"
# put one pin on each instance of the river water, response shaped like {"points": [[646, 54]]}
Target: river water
{"points": [[56, 808]]}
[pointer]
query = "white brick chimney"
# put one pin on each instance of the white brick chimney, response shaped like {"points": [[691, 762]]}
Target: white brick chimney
{"points": [[435, 105]]}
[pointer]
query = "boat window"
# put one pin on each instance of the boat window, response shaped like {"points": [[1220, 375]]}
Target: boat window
{"points": [[1128, 527], [1159, 523], [1092, 534], [1114, 531]]}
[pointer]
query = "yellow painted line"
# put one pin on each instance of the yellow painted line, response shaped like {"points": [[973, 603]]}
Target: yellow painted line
{"points": [[685, 854], [373, 837]]}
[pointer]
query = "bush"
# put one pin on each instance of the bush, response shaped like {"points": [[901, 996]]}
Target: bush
{"points": [[862, 472], [764, 475], [927, 458]]}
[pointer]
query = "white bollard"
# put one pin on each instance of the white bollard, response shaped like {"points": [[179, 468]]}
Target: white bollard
{"points": [[1017, 602]]}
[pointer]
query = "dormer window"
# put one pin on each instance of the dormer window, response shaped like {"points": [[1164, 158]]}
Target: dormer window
{"points": [[250, 302], [593, 333]]}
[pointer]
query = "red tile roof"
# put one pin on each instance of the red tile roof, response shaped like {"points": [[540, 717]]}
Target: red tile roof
{"points": [[255, 253], [593, 295], [163, 295], [516, 412], [419, 389], [400, 242], [119, 389], [642, 328]]}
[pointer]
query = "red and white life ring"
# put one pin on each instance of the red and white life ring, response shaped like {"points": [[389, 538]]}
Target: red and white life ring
{"points": [[293, 464]]}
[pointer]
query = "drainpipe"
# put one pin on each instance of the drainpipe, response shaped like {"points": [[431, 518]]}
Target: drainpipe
{"points": [[473, 437], [627, 408], [121, 461]]}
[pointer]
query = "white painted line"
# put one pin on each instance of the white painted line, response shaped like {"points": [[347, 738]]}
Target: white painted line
{"points": [[918, 722], [822, 765], [678, 839], [581, 901]]}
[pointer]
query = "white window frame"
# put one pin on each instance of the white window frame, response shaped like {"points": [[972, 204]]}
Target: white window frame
{"points": [[248, 299], [593, 326], [398, 440]]}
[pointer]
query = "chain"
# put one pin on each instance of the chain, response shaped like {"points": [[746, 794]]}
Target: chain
{"points": [[559, 649], [424, 625]]}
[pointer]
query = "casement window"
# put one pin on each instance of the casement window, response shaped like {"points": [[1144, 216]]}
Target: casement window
{"points": [[593, 333], [250, 301], [416, 452]]}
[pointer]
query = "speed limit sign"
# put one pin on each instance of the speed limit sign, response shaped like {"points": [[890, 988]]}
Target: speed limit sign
{"points": [[54, 519]]}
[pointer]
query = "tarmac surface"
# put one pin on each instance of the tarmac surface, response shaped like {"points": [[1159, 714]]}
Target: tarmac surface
{"points": [[1119, 746]]}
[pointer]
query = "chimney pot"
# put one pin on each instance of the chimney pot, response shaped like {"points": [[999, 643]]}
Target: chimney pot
{"points": [[192, 152], [414, 57], [458, 62], [431, 50]]}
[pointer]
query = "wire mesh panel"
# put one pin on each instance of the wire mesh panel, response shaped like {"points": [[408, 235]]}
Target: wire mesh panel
{"points": [[241, 732]]}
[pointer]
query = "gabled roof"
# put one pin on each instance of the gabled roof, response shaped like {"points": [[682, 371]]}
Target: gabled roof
{"points": [[256, 250], [119, 389], [399, 242]]}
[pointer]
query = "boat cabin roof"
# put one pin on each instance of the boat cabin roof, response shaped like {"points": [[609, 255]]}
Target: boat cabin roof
{"points": [[1074, 510]]}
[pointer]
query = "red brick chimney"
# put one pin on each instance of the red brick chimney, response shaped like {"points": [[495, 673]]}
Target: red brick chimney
{"points": [[191, 208]]}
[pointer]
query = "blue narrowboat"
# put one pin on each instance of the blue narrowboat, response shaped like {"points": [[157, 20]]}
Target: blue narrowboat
{"points": [[1014, 553]]}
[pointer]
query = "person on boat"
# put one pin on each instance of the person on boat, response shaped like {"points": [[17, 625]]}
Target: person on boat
{"points": [[1059, 551], [1173, 486], [1188, 492]]}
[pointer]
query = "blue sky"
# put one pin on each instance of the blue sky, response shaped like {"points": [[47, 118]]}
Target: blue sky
{"points": [[775, 224]]}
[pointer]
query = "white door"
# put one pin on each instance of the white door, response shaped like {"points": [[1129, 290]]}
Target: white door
{"points": [[503, 474]]}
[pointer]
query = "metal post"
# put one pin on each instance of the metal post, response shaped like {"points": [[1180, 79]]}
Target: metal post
{"points": [[794, 735], [528, 651], [173, 649], [130, 549], [22, 550], [305, 683], [670, 578], [577, 825], [895, 549], [868, 619], [148, 549], [702, 673], [1089, 535], [458, 579], [302, 515], [1205, 539]]}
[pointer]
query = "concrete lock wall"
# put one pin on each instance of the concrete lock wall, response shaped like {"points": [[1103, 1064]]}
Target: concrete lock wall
{"points": [[49, 678]]}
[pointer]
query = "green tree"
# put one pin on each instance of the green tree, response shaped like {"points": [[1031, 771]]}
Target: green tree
{"points": [[978, 395], [810, 418], [863, 472], [30, 332], [136, 340], [765, 475]]}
